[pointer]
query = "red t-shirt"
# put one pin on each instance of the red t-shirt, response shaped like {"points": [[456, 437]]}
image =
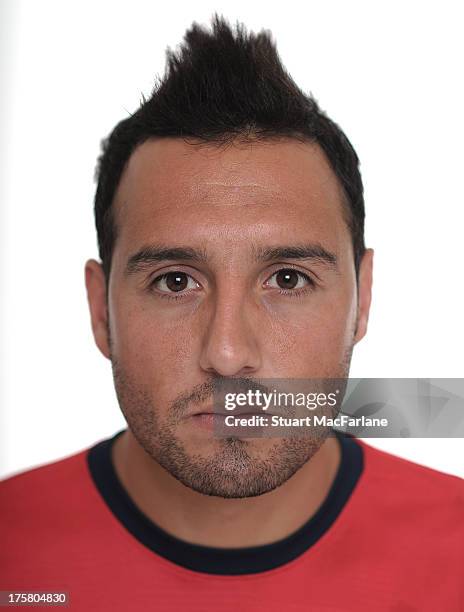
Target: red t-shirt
{"points": [[389, 536]]}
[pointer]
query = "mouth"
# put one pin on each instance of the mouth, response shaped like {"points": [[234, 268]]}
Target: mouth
{"points": [[212, 421]]}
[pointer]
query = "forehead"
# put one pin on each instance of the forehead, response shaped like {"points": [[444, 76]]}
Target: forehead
{"points": [[174, 190]]}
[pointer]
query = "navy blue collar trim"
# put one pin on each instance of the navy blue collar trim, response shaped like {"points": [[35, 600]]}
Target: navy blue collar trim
{"points": [[225, 561]]}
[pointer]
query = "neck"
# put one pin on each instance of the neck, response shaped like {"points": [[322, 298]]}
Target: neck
{"points": [[224, 523]]}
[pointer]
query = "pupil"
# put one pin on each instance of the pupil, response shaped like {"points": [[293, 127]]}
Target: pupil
{"points": [[287, 279], [176, 281]]}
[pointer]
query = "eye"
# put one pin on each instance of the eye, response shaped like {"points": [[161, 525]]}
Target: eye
{"points": [[289, 279], [174, 282]]}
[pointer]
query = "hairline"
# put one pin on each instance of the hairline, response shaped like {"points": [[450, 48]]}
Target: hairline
{"points": [[224, 141]]}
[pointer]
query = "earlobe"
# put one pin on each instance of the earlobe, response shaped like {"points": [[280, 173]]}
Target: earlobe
{"points": [[96, 297], [364, 293]]}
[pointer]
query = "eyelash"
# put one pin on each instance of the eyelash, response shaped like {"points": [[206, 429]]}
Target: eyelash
{"points": [[295, 293], [171, 296]]}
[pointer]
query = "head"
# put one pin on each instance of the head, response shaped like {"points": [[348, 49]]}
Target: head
{"points": [[230, 220]]}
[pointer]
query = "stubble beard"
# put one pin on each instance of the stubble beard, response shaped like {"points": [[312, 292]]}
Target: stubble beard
{"points": [[231, 471]]}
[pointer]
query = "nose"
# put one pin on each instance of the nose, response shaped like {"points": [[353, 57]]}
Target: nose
{"points": [[230, 346]]}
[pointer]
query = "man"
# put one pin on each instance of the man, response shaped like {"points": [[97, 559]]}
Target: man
{"points": [[230, 215]]}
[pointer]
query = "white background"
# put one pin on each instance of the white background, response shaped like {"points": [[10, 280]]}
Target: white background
{"points": [[389, 73]]}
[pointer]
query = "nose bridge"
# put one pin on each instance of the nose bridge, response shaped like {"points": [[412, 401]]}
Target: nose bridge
{"points": [[230, 345]]}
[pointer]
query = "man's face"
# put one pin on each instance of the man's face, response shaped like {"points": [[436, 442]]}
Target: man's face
{"points": [[229, 263]]}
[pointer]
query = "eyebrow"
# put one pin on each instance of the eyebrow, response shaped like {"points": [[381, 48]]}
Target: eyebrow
{"points": [[315, 252], [150, 254]]}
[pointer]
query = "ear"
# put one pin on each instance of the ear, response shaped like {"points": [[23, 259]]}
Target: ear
{"points": [[364, 293], [96, 297]]}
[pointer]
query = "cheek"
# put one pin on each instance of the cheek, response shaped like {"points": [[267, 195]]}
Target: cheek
{"points": [[154, 349], [311, 339]]}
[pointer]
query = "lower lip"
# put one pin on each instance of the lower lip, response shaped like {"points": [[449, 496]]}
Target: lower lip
{"points": [[214, 421], [208, 420]]}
